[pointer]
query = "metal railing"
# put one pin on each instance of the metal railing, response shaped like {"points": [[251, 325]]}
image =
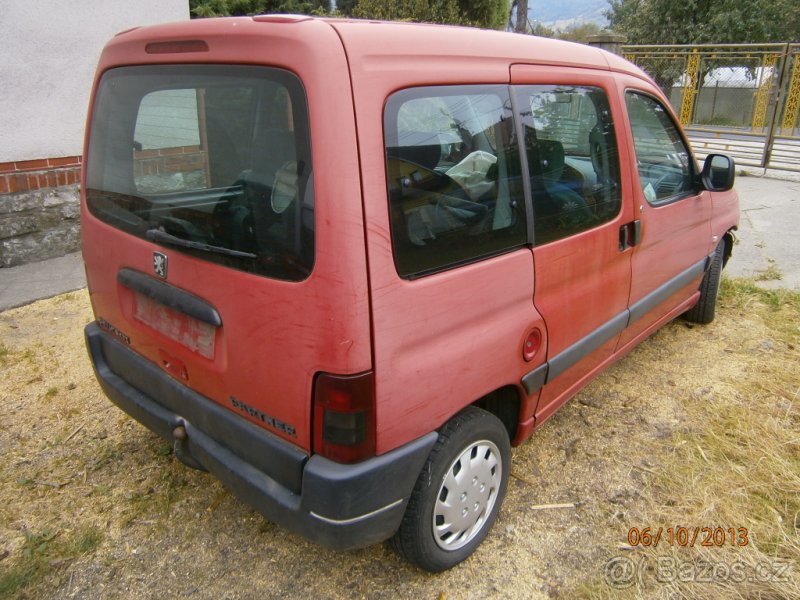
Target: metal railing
{"points": [[743, 100]]}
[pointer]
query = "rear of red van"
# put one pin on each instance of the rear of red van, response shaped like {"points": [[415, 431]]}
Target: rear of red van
{"points": [[223, 236]]}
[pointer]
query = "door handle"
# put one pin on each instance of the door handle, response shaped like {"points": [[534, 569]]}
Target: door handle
{"points": [[630, 235]]}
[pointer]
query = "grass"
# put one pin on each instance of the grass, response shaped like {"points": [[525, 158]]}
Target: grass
{"points": [[771, 273], [728, 457], [737, 465], [44, 552]]}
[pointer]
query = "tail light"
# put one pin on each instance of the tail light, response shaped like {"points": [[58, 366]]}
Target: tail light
{"points": [[344, 416]]}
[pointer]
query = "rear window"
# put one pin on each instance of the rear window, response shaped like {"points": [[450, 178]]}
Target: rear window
{"points": [[214, 161]]}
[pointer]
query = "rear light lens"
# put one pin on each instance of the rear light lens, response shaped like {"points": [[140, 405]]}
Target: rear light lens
{"points": [[344, 416]]}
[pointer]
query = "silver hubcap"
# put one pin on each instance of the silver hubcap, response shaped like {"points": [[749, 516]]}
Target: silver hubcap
{"points": [[467, 495]]}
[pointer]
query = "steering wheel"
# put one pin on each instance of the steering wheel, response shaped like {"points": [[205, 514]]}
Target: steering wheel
{"points": [[669, 182]]}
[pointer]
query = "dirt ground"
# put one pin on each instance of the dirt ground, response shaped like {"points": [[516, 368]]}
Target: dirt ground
{"points": [[92, 505]]}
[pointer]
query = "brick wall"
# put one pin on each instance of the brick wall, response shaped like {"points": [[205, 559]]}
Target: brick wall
{"points": [[31, 175], [39, 209], [168, 160]]}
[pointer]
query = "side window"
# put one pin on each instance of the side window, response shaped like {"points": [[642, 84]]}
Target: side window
{"points": [[572, 157], [665, 166], [453, 176]]}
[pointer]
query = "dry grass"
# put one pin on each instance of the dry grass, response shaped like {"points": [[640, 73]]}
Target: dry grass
{"points": [[699, 426], [737, 464]]}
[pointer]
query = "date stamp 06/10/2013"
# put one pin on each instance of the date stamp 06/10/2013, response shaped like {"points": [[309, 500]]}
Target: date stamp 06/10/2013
{"points": [[688, 536], [621, 572]]}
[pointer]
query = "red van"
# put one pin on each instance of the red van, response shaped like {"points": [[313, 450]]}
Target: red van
{"points": [[345, 265]]}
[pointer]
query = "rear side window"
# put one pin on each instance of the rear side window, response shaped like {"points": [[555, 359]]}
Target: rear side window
{"points": [[214, 161], [572, 158], [453, 174]]}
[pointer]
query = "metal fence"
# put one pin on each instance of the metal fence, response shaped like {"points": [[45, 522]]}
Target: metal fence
{"points": [[743, 100]]}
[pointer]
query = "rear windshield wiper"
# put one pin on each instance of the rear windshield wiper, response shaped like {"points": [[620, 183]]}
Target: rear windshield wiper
{"points": [[160, 236]]}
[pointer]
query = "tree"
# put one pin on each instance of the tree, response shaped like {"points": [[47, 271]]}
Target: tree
{"points": [[435, 11], [224, 8], [705, 21], [490, 14], [579, 32]]}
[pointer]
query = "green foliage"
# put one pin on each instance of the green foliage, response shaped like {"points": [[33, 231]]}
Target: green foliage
{"points": [[435, 11], [490, 14], [580, 32], [41, 553], [346, 7], [481, 13], [224, 8], [705, 21], [542, 30]]}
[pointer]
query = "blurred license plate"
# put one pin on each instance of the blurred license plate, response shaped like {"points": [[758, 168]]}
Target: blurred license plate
{"points": [[195, 335]]}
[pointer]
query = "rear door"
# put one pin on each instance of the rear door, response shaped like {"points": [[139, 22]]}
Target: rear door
{"points": [[582, 268], [673, 218], [205, 188]]}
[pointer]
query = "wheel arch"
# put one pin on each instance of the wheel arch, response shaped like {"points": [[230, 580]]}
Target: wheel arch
{"points": [[504, 403]]}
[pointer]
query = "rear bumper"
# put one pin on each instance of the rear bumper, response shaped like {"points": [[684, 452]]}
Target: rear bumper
{"points": [[339, 506]]}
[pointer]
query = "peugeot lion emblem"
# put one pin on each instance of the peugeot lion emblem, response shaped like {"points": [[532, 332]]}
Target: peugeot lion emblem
{"points": [[160, 264]]}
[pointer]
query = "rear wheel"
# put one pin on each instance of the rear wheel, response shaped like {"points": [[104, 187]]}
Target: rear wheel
{"points": [[703, 311], [458, 493]]}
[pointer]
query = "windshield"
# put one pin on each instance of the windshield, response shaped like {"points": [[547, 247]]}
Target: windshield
{"points": [[214, 161]]}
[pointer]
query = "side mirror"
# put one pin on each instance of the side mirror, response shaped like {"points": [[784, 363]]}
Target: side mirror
{"points": [[719, 172]]}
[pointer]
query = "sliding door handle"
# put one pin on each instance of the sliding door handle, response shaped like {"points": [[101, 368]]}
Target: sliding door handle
{"points": [[630, 235]]}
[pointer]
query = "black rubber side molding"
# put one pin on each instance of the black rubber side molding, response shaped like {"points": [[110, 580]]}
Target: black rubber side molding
{"points": [[168, 295], [547, 372]]}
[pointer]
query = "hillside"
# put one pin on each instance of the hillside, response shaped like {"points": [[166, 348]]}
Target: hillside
{"points": [[566, 12]]}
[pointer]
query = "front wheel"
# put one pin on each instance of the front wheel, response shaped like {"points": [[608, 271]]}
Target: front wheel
{"points": [[458, 493]]}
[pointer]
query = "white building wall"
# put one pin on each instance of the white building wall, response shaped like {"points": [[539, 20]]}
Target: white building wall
{"points": [[48, 54]]}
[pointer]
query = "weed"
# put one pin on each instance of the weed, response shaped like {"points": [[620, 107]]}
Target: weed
{"points": [[102, 489], [42, 552], [86, 540], [51, 392], [771, 273], [164, 450], [743, 293], [16, 578]]}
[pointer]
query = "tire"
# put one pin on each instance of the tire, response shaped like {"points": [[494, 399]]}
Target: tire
{"points": [[703, 311], [468, 470]]}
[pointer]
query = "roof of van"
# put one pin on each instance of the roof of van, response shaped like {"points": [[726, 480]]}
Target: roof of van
{"points": [[384, 41], [424, 39]]}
